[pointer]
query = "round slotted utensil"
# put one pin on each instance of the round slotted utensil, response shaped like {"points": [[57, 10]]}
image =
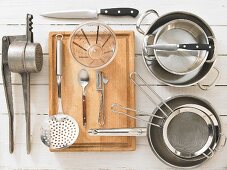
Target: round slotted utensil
{"points": [[93, 45], [60, 130]]}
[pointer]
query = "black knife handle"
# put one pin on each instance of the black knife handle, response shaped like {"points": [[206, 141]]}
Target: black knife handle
{"points": [[207, 47], [120, 12]]}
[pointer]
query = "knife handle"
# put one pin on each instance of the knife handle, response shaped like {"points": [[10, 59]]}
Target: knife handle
{"points": [[207, 47], [120, 12]]}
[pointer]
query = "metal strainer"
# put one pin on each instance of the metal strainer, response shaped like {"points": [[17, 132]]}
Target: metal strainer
{"points": [[60, 130], [186, 131]]}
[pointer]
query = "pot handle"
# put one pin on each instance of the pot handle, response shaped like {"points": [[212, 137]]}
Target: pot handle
{"points": [[212, 39], [142, 131], [115, 108], [212, 84], [140, 20]]}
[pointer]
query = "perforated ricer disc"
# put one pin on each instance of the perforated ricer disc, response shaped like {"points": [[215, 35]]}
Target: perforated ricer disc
{"points": [[93, 45]]}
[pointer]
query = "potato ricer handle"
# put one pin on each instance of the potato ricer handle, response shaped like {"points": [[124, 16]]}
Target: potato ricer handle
{"points": [[26, 93], [7, 83]]}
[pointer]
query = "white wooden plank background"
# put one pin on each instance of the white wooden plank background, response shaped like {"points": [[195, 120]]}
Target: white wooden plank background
{"points": [[12, 22]]}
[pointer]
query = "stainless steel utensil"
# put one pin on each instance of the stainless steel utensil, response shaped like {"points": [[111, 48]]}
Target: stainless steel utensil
{"points": [[157, 143], [20, 55], [168, 130], [92, 13], [163, 75], [175, 47], [180, 31], [217, 136], [60, 131], [83, 78], [100, 87]]}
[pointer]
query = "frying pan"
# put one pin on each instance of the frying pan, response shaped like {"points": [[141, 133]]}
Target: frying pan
{"points": [[192, 117]]}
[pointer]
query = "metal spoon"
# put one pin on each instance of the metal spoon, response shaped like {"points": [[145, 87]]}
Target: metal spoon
{"points": [[83, 78]]}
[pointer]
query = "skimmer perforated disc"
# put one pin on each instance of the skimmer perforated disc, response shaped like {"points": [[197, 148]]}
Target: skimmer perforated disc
{"points": [[93, 45], [59, 131]]}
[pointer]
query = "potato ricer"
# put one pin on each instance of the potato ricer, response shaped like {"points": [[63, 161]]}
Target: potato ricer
{"points": [[20, 55]]}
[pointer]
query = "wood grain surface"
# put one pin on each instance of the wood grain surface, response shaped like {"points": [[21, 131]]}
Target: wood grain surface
{"points": [[119, 89]]}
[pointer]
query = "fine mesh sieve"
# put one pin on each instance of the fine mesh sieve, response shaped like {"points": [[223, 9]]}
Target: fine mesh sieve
{"points": [[187, 137], [60, 130], [187, 132]]}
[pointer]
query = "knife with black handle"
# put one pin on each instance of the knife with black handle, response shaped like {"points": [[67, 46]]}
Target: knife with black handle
{"points": [[92, 13], [174, 47]]}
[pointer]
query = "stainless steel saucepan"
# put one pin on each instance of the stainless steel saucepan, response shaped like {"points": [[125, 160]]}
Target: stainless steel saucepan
{"points": [[179, 68], [186, 135], [180, 62]]}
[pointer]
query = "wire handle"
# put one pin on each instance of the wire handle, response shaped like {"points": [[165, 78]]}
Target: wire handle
{"points": [[116, 107], [133, 75], [210, 155], [140, 20], [212, 84]]}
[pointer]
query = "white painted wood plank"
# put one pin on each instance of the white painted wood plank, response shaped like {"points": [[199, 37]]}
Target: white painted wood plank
{"points": [[215, 96], [41, 34], [220, 65], [212, 16], [42, 77], [39, 99], [142, 158]]}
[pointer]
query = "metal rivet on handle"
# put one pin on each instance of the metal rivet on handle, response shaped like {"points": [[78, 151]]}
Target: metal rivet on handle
{"points": [[106, 11], [119, 12], [197, 46], [131, 12]]}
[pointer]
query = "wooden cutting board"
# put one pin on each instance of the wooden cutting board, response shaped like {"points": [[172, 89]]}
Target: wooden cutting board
{"points": [[118, 90]]}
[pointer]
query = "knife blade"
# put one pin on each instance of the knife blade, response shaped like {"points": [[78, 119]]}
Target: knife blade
{"points": [[70, 14], [175, 47]]}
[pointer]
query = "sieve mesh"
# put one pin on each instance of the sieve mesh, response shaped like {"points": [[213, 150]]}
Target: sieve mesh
{"points": [[187, 132]]}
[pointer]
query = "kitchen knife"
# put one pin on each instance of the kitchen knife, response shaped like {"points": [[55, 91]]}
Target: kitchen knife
{"points": [[175, 47], [92, 13]]}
